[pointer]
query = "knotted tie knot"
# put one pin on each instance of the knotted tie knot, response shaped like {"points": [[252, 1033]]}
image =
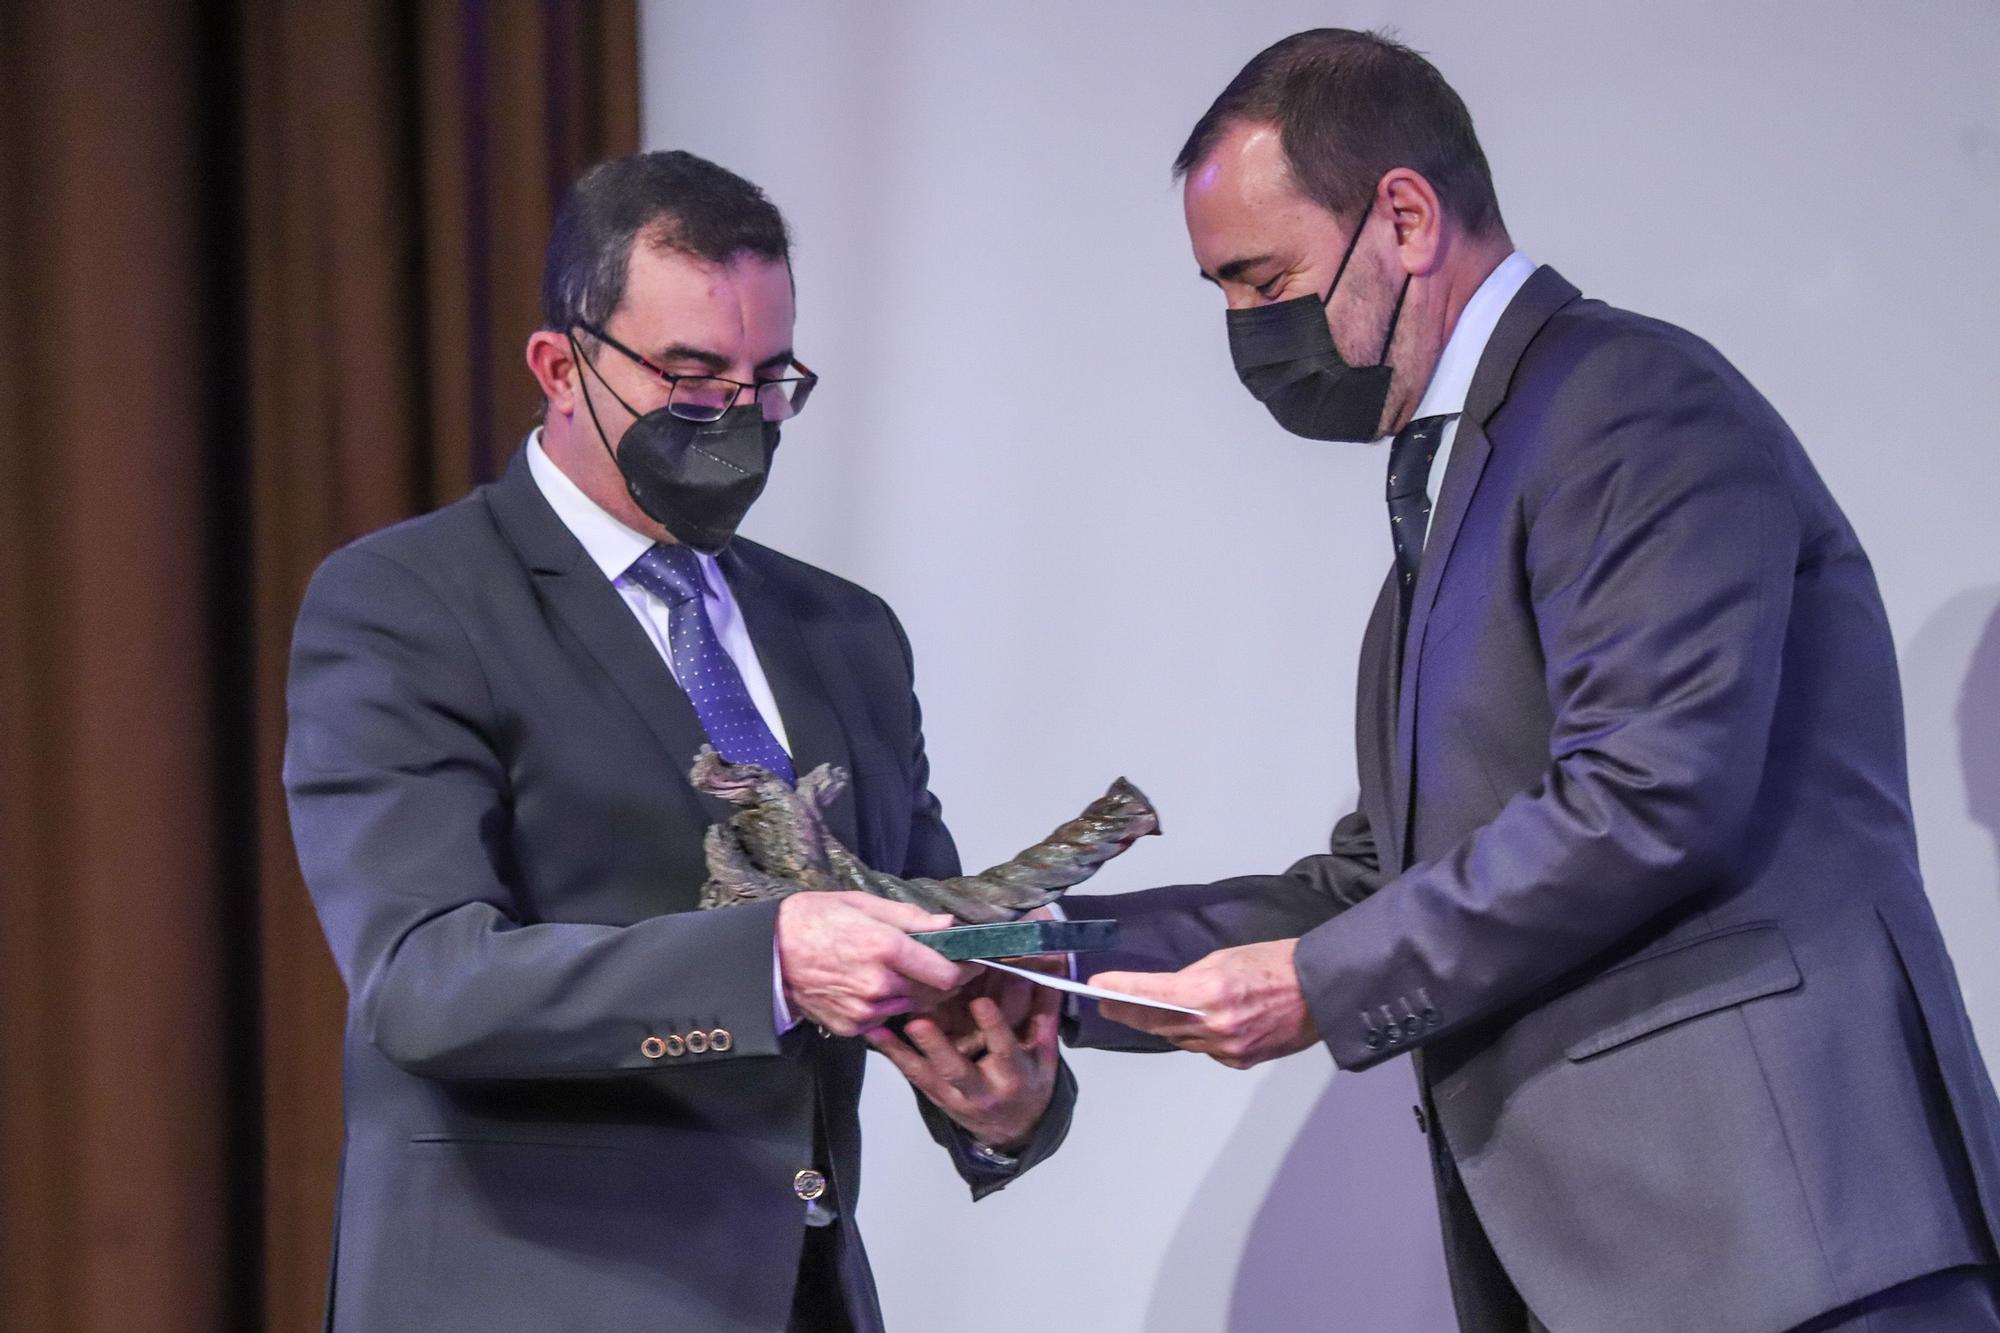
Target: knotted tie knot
{"points": [[671, 573], [1411, 454]]}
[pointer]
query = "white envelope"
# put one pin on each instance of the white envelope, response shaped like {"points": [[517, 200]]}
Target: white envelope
{"points": [[1080, 988]]}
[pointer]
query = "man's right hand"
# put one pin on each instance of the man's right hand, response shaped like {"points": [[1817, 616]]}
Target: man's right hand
{"points": [[848, 963]]}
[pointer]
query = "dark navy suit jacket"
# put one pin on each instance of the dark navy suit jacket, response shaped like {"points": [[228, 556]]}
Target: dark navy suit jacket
{"points": [[1634, 868], [487, 768]]}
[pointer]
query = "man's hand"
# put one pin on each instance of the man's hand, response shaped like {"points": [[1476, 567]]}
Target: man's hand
{"points": [[847, 960], [999, 1096], [1015, 997], [1254, 1010]]}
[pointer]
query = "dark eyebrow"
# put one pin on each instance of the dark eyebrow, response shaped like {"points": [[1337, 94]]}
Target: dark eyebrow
{"points": [[714, 361], [1236, 268], [683, 352]]}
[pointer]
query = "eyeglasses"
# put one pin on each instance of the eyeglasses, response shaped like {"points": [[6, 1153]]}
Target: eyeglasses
{"points": [[707, 397]]}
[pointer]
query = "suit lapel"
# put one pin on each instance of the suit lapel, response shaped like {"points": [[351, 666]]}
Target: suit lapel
{"points": [[576, 590], [1540, 297], [1469, 450], [785, 642]]}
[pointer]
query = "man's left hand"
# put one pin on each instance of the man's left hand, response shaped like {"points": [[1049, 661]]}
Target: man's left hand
{"points": [[1249, 996], [997, 1095]]}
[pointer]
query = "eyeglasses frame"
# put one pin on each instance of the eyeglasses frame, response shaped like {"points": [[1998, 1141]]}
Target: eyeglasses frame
{"points": [[805, 380]]}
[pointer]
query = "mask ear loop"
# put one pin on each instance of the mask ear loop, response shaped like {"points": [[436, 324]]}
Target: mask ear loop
{"points": [[1382, 357], [1348, 253], [631, 488], [576, 351], [1396, 314]]}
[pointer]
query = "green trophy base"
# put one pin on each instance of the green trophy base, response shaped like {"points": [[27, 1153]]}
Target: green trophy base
{"points": [[1020, 939]]}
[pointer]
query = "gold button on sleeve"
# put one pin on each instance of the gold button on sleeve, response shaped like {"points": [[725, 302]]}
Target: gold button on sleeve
{"points": [[652, 1048], [720, 1040], [697, 1042], [675, 1046]]}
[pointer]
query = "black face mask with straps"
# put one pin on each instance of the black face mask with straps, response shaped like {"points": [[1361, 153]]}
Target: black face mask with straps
{"points": [[1285, 356], [696, 479]]}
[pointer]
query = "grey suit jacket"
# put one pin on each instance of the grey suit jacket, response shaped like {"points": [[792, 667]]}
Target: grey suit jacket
{"points": [[486, 768], [1634, 867]]}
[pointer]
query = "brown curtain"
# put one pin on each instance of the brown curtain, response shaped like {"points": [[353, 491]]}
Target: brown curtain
{"points": [[267, 270]]}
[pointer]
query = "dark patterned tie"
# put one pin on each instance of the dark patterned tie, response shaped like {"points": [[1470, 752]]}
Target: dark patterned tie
{"points": [[1409, 503], [705, 670]]}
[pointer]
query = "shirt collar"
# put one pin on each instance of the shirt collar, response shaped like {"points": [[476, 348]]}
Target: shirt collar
{"points": [[610, 544], [1452, 380]]}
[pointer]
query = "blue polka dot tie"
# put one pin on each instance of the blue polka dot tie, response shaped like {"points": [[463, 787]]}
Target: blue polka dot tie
{"points": [[707, 672]]}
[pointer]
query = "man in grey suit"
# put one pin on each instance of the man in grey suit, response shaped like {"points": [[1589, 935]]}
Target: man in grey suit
{"points": [[572, 1100], [1633, 874]]}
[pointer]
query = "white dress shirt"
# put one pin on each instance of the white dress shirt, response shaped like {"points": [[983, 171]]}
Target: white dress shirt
{"points": [[613, 547], [1452, 380]]}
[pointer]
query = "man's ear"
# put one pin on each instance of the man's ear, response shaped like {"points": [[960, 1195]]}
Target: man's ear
{"points": [[552, 360], [1418, 217]]}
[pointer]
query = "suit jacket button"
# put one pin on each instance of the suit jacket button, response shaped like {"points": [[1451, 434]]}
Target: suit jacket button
{"points": [[720, 1040], [1423, 1125], [697, 1042], [674, 1045], [652, 1048], [808, 1184]]}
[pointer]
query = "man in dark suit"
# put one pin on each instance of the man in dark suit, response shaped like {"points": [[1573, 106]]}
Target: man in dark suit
{"points": [[1633, 874], [573, 1100]]}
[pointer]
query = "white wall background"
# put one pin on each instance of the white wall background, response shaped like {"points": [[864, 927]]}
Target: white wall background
{"points": [[1029, 439]]}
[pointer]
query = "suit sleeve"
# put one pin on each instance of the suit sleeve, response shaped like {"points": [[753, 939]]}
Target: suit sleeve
{"points": [[1165, 929], [400, 807], [932, 854], [1659, 560]]}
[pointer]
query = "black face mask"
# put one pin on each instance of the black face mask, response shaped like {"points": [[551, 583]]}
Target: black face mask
{"points": [[1285, 356], [696, 479]]}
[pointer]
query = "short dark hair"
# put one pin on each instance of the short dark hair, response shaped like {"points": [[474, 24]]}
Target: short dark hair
{"points": [[1349, 107], [672, 200]]}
